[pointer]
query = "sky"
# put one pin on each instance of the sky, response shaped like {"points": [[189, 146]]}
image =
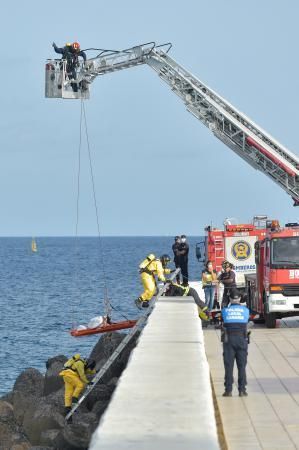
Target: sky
{"points": [[158, 170]]}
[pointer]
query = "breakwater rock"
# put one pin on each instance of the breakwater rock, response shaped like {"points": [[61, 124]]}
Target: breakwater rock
{"points": [[32, 414]]}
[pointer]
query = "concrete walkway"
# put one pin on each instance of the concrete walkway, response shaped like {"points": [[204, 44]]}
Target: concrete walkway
{"points": [[269, 417], [163, 400]]}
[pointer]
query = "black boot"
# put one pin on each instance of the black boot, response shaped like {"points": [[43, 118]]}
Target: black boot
{"points": [[67, 409], [74, 400]]}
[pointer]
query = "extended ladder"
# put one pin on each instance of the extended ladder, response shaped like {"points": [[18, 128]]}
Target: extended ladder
{"points": [[141, 322], [232, 127]]}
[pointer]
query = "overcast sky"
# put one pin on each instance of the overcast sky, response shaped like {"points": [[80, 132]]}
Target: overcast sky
{"points": [[158, 170]]}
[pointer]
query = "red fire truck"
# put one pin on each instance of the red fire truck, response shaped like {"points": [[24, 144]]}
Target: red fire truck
{"points": [[273, 292], [235, 243]]}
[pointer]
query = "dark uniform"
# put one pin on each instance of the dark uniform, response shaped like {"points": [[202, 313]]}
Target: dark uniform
{"points": [[235, 346], [229, 281], [72, 61], [183, 253], [176, 258]]}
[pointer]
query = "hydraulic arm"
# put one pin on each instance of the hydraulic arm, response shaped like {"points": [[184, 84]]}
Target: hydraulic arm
{"points": [[228, 124]]}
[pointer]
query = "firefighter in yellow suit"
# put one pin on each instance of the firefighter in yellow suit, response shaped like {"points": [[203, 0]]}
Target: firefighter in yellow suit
{"points": [[150, 268], [74, 377]]}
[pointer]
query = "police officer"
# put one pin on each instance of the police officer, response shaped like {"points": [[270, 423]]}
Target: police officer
{"points": [[228, 278], [176, 257], [183, 253], [235, 343]]}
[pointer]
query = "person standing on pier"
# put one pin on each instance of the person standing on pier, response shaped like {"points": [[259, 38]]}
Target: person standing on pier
{"points": [[235, 340], [176, 257], [228, 279], [183, 254]]}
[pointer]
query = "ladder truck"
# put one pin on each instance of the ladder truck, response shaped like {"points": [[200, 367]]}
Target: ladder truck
{"points": [[232, 127]]}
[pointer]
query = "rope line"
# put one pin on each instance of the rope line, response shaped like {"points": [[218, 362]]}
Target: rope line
{"points": [[106, 296]]}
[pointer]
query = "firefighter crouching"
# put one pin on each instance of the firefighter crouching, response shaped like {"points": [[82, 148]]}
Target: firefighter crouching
{"points": [[175, 289], [148, 269], [74, 375], [235, 338]]}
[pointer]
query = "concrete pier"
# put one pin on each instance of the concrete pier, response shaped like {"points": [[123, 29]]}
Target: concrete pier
{"points": [[164, 399]]}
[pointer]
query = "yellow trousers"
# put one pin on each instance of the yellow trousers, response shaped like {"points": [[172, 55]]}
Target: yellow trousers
{"points": [[73, 386], [149, 286]]}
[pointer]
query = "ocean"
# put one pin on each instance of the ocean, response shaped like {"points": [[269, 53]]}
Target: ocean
{"points": [[44, 293]]}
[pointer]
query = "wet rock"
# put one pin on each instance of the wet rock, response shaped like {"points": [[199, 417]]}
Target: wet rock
{"points": [[41, 447], [22, 446], [44, 418], [6, 411], [53, 382], [31, 382], [113, 382]]}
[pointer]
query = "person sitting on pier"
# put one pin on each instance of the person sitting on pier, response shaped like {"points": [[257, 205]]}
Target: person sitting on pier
{"points": [[178, 290], [148, 269], [74, 375]]}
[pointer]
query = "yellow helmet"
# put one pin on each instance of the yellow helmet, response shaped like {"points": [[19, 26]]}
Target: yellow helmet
{"points": [[77, 356], [68, 44]]}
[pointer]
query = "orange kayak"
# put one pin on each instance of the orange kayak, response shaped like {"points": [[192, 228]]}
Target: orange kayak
{"points": [[105, 328]]}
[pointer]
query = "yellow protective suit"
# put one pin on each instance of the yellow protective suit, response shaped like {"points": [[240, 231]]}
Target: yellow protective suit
{"points": [[74, 377], [153, 269]]}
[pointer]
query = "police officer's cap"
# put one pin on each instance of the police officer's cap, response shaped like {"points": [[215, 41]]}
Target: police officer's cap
{"points": [[176, 238], [234, 296]]}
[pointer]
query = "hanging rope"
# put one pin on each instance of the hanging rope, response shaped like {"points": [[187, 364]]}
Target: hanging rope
{"points": [[77, 253], [106, 297]]}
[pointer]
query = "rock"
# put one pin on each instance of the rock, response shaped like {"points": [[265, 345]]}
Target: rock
{"points": [[77, 436], [113, 382], [22, 446], [23, 404], [10, 433], [100, 392], [99, 408], [105, 347], [49, 437], [7, 397], [31, 382], [44, 418], [6, 412], [53, 382], [41, 447]]}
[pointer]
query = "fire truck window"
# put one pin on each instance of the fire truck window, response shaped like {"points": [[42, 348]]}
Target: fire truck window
{"points": [[285, 250]]}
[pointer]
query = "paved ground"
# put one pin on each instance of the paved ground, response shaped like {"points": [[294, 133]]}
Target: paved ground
{"points": [[269, 417]]}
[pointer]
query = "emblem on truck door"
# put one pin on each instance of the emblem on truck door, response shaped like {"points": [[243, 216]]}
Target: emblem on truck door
{"points": [[241, 250]]}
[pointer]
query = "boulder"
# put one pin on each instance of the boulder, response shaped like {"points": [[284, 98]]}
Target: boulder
{"points": [[21, 446], [53, 382], [76, 436], [10, 433], [44, 418], [23, 404], [41, 447], [30, 381], [101, 392], [99, 408], [7, 397], [49, 437]]}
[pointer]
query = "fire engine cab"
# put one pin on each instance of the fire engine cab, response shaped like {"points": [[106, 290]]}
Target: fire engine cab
{"points": [[235, 243], [273, 292]]}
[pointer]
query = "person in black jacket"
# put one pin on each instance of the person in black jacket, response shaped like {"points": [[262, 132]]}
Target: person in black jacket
{"points": [[183, 253], [70, 53], [228, 279], [176, 258]]}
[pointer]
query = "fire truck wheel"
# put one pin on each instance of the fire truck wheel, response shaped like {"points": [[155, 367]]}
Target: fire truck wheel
{"points": [[270, 320]]}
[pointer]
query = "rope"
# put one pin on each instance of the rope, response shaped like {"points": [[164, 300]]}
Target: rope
{"points": [[77, 215], [106, 297]]}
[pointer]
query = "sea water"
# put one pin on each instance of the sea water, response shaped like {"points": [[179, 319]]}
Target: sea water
{"points": [[43, 294]]}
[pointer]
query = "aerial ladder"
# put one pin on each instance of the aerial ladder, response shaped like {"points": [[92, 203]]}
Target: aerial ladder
{"points": [[232, 127]]}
